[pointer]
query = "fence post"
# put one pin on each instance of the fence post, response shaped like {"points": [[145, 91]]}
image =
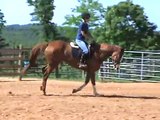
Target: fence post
{"points": [[142, 57], [20, 61]]}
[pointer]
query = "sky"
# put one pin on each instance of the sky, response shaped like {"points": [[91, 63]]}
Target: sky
{"points": [[18, 11]]}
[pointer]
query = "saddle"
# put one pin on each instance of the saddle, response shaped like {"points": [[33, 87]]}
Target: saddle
{"points": [[77, 51], [74, 45]]}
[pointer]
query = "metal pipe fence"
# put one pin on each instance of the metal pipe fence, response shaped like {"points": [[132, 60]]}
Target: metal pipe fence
{"points": [[135, 65]]}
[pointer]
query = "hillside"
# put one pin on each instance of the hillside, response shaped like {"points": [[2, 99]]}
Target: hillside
{"points": [[27, 35], [31, 34]]}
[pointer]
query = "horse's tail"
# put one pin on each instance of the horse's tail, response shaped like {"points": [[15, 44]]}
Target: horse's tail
{"points": [[36, 50]]}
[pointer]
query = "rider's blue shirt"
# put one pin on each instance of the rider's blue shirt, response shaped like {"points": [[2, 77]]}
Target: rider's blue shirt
{"points": [[83, 27]]}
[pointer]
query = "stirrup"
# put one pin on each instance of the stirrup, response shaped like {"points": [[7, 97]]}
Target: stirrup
{"points": [[82, 65]]}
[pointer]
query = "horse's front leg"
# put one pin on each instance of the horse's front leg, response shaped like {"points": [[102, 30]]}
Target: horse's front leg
{"points": [[83, 85], [93, 81]]}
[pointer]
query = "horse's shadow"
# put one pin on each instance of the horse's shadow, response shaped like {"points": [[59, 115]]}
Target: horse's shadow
{"points": [[7, 81], [16, 80], [107, 96]]}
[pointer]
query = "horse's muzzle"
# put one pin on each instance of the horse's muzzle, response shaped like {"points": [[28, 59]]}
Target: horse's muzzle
{"points": [[116, 66]]}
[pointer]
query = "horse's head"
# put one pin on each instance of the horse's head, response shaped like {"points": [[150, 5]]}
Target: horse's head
{"points": [[117, 56]]}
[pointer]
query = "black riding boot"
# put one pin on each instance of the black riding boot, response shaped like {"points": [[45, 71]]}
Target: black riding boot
{"points": [[82, 63]]}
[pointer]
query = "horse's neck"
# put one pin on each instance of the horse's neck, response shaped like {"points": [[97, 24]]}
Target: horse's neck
{"points": [[106, 51]]}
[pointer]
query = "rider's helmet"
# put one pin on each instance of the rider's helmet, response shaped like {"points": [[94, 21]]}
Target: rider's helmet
{"points": [[85, 15]]}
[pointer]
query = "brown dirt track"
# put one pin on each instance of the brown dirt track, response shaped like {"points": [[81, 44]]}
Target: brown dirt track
{"points": [[121, 101]]}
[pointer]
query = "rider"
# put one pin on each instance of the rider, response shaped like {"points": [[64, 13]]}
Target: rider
{"points": [[83, 34]]}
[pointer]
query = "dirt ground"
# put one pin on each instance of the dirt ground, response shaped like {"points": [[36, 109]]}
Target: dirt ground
{"points": [[120, 101]]}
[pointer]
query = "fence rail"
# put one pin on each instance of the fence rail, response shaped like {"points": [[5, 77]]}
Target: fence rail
{"points": [[136, 65], [11, 61]]}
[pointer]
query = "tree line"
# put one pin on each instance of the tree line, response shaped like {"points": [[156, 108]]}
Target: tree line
{"points": [[124, 24]]}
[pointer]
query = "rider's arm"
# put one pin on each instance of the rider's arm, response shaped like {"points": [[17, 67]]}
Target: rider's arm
{"points": [[87, 35]]}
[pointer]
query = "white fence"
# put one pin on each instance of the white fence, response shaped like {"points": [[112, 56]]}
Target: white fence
{"points": [[135, 65]]}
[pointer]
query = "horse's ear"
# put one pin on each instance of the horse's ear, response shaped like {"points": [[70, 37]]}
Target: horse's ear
{"points": [[122, 49], [93, 42], [95, 46]]}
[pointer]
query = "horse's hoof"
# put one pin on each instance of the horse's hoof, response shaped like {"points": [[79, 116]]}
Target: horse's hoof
{"points": [[98, 95], [74, 91]]}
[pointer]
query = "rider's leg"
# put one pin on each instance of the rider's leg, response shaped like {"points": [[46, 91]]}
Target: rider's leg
{"points": [[84, 48], [82, 62]]}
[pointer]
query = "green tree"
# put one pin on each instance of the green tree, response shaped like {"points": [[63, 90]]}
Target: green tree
{"points": [[3, 43], [127, 25], [43, 12], [95, 8], [68, 32], [153, 43], [2, 21]]}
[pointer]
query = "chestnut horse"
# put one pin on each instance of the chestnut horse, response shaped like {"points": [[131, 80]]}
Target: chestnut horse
{"points": [[58, 51]]}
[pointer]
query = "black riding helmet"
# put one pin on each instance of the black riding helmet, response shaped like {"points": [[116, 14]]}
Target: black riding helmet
{"points": [[85, 15]]}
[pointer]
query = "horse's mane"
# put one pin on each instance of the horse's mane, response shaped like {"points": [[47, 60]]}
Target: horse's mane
{"points": [[105, 46]]}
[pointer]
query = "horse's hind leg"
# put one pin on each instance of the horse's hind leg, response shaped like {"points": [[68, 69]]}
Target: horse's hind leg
{"points": [[46, 72]]}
